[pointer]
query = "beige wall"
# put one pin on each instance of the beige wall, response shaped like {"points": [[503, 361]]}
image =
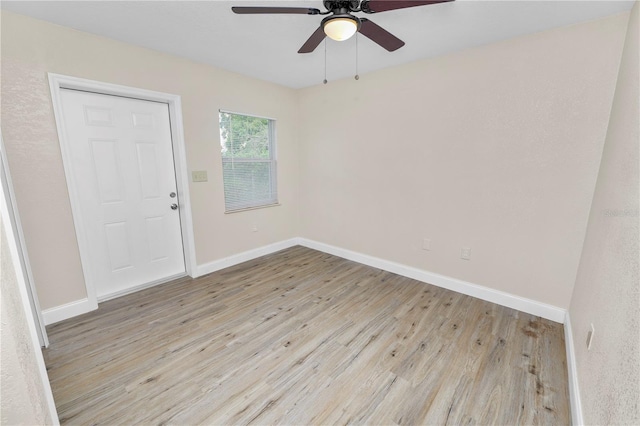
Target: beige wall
{"points": [[495, 148], [607, 290], [31, 48], [22, 393]]}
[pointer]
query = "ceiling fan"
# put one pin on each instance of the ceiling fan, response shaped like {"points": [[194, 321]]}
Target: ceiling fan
{"points": [[341, 24]]}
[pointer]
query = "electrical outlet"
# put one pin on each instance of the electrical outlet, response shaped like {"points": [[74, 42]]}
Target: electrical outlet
{"points": [[199, 176], [426, 244], [254, 228], [590, 337], [465, 253]]}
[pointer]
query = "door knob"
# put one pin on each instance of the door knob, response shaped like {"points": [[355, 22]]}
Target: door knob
{"points": [[172, 195], [174, 206]]}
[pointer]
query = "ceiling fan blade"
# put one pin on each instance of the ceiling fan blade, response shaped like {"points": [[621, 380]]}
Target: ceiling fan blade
{"points": [[379, 35], [374, 6], [313, 41], [248, 10]]}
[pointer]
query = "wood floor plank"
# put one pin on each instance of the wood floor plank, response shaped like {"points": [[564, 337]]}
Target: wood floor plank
{"points": [[303, 337]]}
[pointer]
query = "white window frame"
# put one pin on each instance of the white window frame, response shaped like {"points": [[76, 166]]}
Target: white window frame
{"points": [[273, 160]]}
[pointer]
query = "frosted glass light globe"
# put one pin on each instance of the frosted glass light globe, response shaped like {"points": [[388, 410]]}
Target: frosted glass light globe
{"points": [[340, 29]]}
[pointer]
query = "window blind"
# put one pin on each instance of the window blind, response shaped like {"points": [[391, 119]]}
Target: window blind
{"points": [[248, 161]]}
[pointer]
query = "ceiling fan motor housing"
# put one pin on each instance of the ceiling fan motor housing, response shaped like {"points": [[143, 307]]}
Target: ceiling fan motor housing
{"points": [[338, 5]]}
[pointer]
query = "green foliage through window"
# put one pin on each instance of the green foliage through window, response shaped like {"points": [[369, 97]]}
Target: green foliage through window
{"points": [[248, 161]]}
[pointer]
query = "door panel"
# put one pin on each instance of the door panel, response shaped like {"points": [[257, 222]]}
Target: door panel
{"points": [[122, 165], [157, 241], [107, 170], [148, 169], [118, 242]]}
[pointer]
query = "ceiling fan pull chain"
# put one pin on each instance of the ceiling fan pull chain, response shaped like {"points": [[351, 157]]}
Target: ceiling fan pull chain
{"points": [[357, 77], [325, 62]]}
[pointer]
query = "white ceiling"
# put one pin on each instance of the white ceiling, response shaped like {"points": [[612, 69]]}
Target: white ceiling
{"points": [[265, 46]]}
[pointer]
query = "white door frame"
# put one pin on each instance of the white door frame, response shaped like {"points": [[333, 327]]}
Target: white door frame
{"points": [[23, 257], [58, 82]]}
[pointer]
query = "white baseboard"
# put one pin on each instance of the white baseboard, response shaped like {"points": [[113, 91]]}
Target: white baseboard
{"points": [[226, 262], [572, 369], [68, 310], [529, 306]]}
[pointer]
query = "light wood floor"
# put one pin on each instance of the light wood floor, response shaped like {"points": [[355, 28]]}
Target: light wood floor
{"points": [[302, 337]]}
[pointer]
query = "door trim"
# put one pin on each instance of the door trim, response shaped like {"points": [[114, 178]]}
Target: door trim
{"points": [[58, 82], [23, 255]]}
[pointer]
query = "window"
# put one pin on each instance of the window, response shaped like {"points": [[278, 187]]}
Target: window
{"points": [[248, 161]]}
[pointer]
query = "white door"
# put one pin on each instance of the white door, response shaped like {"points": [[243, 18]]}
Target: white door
{"points": [[124, 174]]}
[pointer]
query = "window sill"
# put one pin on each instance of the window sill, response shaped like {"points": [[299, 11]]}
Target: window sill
{"points": [[252, 208]]}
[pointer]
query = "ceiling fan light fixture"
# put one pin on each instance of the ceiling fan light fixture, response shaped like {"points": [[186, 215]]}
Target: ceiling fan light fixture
{"points": [[340, 28]]}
